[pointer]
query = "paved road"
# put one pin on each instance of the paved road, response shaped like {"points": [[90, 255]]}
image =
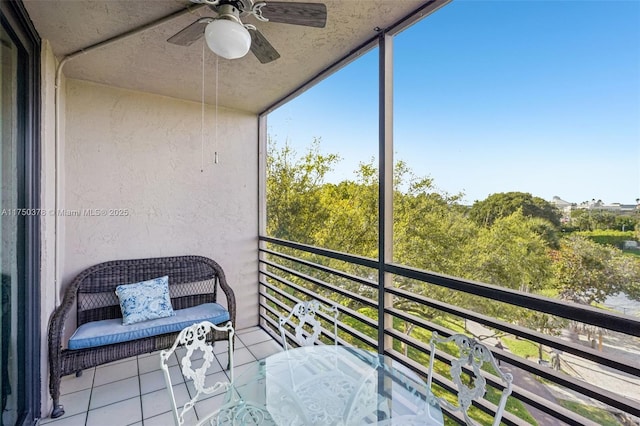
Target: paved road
{"points": [[521, 378], [615, 343], [527, 381]]}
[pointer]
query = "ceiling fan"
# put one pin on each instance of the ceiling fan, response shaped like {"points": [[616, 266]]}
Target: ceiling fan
{"points": [[230, 38]]}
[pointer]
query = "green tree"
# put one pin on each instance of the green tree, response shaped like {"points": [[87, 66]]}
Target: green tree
{"points": [[601, 219], [431, 232], [544, 323], [503, 204], [626, 223], [546, 230], [581, 220], [511, 254], [351, 224], [430, 228], [295, 208], [588, 272]]}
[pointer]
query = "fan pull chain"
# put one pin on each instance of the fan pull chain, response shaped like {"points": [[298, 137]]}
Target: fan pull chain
{"points": [[202, 117], [215, 154]]}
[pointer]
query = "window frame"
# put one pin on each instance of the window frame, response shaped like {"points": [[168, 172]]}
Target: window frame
{"points": [[16, 22]]}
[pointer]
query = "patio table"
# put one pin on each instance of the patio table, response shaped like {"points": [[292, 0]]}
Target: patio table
{"points": [[329, 385]]}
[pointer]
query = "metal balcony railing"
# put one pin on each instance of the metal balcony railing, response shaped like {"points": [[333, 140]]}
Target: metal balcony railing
{"points": [[290, 272]]}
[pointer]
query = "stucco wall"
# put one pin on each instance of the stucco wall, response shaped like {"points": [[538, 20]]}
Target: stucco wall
{"points": [[47, 202], [142, 156]]}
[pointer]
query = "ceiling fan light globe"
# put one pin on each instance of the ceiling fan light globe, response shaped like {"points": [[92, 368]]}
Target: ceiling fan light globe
{"points": [[227, 38]]}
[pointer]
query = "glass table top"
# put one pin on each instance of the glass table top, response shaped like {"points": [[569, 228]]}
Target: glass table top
{"points": [[328, 385]]}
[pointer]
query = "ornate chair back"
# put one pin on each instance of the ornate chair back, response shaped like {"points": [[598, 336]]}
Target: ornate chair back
{"points": [[472, 355], [194, 339], [305, 313]]}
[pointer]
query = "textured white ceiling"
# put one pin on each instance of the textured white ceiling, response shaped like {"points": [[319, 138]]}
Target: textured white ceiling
{"points": [[146, 62]]}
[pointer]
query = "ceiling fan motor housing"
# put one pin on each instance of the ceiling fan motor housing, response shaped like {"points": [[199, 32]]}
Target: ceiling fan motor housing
{"points": [[228, 11], [242, 7]]}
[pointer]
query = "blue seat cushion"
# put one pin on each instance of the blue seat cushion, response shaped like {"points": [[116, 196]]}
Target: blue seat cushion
{"points": [[108, 332]]}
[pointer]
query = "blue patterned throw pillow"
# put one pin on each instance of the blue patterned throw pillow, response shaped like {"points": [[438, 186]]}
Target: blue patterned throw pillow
{"points": [[145, 300]]}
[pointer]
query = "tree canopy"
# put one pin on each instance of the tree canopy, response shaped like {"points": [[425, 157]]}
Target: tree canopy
{"points": [[503, 204], [509, 239], [588, 272]]}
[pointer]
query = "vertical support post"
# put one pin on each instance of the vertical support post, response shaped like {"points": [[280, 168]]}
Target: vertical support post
{"points": [[385, 186], [262, 205]]}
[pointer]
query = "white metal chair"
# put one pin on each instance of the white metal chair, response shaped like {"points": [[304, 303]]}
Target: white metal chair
{"points": [[472, 355], [305, 312], [194, 338]]}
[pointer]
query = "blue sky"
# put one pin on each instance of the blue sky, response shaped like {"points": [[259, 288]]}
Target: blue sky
{"points": [[495, 96]]}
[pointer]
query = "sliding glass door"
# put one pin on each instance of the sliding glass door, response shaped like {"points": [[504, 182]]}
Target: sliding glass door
{"points": [[9, 355], [19, 244]]}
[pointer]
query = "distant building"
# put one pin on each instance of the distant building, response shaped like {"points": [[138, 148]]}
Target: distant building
{"points": [[564, 207], [560, 203], [612, 207]]}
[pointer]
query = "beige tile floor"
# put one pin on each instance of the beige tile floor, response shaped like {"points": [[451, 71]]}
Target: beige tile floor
{"points": [[132, 391]]}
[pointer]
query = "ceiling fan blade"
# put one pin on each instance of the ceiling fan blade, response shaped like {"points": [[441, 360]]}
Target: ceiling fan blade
{"points": [[188, 35], [308, 14], [261, 47]]}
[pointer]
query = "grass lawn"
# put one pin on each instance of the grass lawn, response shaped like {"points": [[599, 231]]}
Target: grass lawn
{"points": [[635, 253], [598, 415], [524, 348]]}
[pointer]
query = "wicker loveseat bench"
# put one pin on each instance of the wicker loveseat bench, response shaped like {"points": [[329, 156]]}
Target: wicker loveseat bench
{"points": [[193, 284]]}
